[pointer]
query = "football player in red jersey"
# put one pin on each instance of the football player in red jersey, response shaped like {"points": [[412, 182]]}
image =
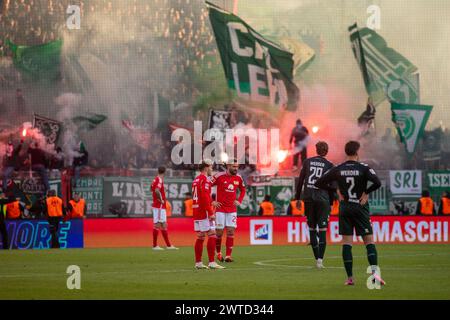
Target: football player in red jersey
{"points": [[159, 210], [204, 216], [227, 183]]}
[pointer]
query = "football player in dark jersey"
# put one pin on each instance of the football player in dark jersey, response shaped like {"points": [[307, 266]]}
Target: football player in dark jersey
{"points": [[317, 201], [353, 179]]}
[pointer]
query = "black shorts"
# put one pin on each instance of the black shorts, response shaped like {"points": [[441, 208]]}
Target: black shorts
{"points": [[353, 216], [317, 213]]}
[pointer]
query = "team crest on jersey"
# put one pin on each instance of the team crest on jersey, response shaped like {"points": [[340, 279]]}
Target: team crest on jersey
{"points": [[261, 231], [236, 182]]}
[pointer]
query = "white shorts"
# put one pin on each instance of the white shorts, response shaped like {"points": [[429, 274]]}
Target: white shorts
{"points": [[204, 225], [226, 220], [159, 215]]}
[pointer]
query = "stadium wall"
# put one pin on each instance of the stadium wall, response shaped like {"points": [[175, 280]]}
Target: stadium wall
{"points": [[137, 232], [106, 233]]}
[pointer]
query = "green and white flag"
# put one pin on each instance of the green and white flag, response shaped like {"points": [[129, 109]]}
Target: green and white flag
{"points": [[88, 122], [386, 73], [256, 68], [41, 62], [410, 120]]}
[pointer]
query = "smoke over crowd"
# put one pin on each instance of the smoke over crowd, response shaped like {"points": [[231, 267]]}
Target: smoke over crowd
{"points": [[126, 53]]}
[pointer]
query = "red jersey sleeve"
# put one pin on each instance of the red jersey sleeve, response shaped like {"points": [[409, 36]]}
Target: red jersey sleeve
{"points": [[241, 189], [205, 195]]}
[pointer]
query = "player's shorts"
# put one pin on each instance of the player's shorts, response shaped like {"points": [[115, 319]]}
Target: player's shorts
{"points": [[353, 216], [204, 225], [317, 213], [159, 215], [226, 220]]}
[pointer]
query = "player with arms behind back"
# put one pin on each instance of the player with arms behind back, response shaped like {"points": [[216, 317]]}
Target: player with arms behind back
{"points": [[204, 217], [317, 201], [159, 210], [352, 178], [227, 183]]}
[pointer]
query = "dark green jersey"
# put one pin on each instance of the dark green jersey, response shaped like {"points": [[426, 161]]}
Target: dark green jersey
{"points": [[312, 169], [352, 178]]}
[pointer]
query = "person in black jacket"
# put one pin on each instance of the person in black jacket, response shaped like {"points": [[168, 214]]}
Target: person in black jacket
{"points": [[300, 136], [79, 163], [10, 162], [3, 231], [38, 163]]}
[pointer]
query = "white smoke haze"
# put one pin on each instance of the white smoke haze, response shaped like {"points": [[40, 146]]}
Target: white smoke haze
{"points": [[118, 47]]}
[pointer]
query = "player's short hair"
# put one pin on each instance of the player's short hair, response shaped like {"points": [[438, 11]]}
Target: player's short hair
{"points": [[267, 197], [232, 161], [425, 193], [51, 193], [322, 148], [161, 170], [352, 148], [204, 164]]}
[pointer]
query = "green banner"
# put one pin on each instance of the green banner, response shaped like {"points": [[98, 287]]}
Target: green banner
{"points": [[88, 122], [256, 68], [410, 120], [384, 70], [91, 190], [41, 62], [378, 200], [438, 182]]}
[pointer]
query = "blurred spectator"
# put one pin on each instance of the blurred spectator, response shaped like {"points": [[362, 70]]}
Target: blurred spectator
{"points": [[79, 163], [300, 137], [10, 162], [38, 160], [14, 209], [293, 210], [425, 205], [266, 207], [187, 205], [444, 204]]}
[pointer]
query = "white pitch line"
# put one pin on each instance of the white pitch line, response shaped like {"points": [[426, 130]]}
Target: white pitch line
{"points": [[84, 273], [268, 263]]}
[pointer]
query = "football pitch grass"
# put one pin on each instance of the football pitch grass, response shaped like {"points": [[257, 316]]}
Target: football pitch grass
{"points": [[259, 272]]}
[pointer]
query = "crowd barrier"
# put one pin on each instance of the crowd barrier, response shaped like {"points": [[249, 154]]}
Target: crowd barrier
{"points": [[398, 194], [137, 232]]}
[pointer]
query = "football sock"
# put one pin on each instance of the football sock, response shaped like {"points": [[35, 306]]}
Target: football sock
{"points": [[372, 255], [211, 247], [229, 244], [322, 243], [348, 259], [198, 250], [166, 237], [155, 237], [314, 244], [218, 243]]}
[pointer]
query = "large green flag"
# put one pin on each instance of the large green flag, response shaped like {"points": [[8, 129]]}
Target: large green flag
{"points": [[256, 69], [161, 111], [41, 62], [386, 73], [410, 120]]}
